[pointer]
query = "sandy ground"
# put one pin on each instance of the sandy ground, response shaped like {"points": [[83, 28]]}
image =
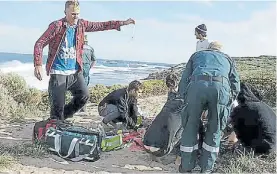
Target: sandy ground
{"points": [[121, 161]]}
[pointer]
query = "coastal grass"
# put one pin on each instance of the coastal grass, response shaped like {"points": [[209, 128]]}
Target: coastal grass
{"points": [[247, 162], [9, 154], [6, 161], [35, 150]]}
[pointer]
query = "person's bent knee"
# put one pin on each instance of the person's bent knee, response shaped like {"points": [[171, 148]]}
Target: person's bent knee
{"points": [[83, 97]]}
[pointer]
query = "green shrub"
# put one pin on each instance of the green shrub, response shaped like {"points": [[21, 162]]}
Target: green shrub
{"points": [[12, 110], [44, 103], [15, 85], [98, 92], [149, 88], [267, 88], [17, 100], [154, 88]]}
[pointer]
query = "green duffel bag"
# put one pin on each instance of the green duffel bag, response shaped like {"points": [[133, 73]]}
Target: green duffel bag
{"points": [[74, 143]]}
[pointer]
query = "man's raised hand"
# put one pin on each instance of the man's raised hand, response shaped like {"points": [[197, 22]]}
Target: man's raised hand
{"points": [[129, 21]]}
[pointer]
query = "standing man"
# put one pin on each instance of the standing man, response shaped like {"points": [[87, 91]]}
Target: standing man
{"points": [[65, 38], [88, 62], [210, 80], [201, 35]]}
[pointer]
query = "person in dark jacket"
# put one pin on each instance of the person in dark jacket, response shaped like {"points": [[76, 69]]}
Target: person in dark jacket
{"points": [[254, 122], [121, 106]]}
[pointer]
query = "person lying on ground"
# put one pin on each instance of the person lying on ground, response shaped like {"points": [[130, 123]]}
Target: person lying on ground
{"points": [[121, 106], [65, 38], [254, 122]]}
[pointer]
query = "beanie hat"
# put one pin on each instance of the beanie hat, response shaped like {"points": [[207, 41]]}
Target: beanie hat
{"points": [[201, 29]]}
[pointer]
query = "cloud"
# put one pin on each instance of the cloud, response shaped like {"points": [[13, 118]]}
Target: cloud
{"points": [[164, 41], [241, 6], [208, 3]]}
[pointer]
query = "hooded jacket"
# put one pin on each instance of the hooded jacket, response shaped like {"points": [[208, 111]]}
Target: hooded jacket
{"points": [[254, 121]]}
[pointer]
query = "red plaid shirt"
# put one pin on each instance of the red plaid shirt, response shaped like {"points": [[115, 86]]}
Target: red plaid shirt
{"points": [[55, 34]]}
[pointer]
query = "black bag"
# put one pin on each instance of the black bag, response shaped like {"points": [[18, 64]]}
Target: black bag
{"points": [[74, 143], [41, 127]]}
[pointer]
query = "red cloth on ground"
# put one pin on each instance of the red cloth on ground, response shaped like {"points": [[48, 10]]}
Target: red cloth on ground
{"points": [[135, 138]]}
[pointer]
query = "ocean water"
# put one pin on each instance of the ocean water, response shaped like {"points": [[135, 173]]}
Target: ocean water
{"points": [[106, 72]]}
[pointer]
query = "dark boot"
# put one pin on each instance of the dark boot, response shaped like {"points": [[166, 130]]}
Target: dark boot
{"points": [[183, 171]]}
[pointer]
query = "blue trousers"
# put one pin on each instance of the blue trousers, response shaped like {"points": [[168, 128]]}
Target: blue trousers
{"points": [[215, 96]]}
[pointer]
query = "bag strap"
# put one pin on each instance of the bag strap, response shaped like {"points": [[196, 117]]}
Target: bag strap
{"points": [[85, 156], [74, 142], [74, 146], [79, 158]]}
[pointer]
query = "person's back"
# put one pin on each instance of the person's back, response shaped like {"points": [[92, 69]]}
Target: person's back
{"points": [[114, 97], [209, 81], [202, 44], [211, 63]]}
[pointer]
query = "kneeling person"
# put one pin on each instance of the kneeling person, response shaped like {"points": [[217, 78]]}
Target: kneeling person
{"points": [[121, 106], [254, 122]]}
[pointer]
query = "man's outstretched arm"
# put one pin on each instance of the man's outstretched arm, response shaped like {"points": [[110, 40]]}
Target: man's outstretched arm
{"points": [[109, 25]]}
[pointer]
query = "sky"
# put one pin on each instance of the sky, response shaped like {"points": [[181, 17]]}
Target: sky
{"points": [[164, 30]]}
